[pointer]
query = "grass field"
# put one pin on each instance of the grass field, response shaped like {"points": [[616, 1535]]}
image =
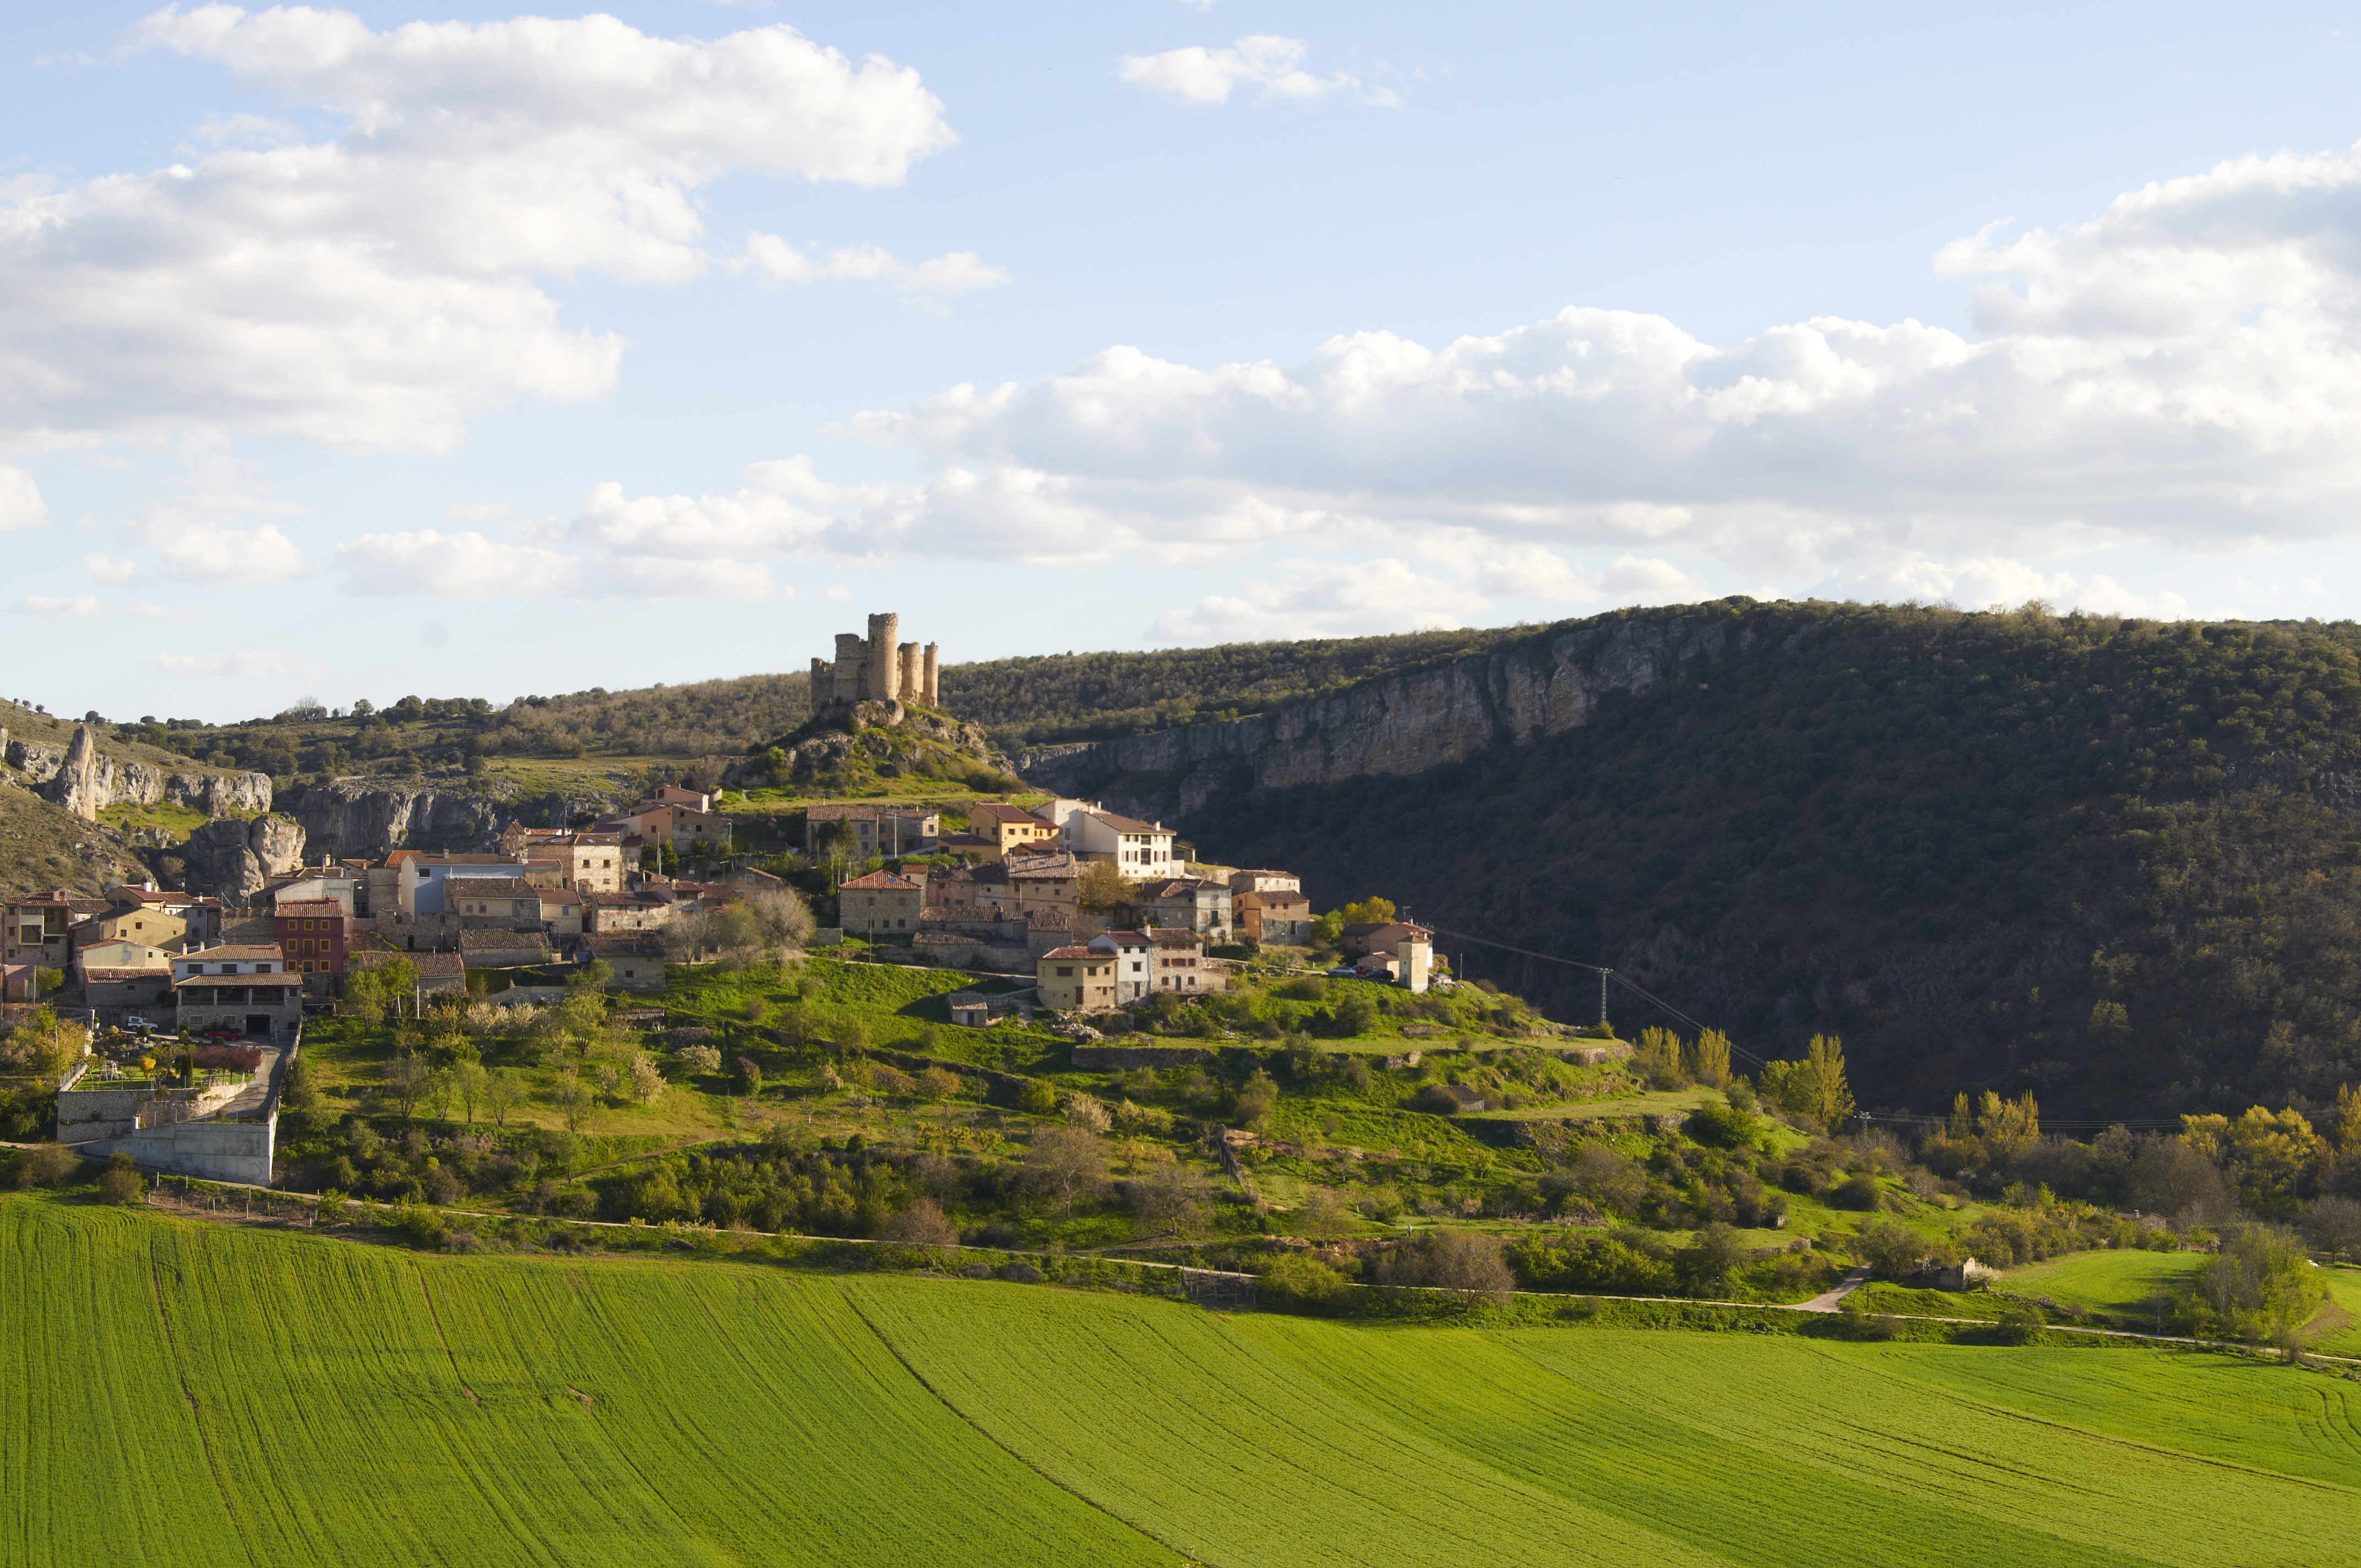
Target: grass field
{"points": [[184, 1393], [2123, 1286]]}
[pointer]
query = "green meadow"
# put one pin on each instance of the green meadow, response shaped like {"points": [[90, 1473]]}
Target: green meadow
{"points": [[185, 1392]]}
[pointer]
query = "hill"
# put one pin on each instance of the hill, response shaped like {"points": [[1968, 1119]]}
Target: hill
{"points": [[2115, 863], [190, 1393]]}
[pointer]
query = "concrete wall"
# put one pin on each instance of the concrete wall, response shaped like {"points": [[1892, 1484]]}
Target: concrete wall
{"points": [[213, 1151]]}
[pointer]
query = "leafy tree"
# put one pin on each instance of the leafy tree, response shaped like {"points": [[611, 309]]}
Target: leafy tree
{"points": [[1371, 911], [1658, 1060], [1038, 1098], [750, 1077], [1709, 1058], [2259, 1287], [121, 1184], [647, 1082], [503, 1090], [1293, 1279], [574, 1101], [1101, 886], [405, 1080]]}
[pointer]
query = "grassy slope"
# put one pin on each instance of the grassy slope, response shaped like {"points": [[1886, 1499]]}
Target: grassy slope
{"points": [[200, 1394], [37, 852]]}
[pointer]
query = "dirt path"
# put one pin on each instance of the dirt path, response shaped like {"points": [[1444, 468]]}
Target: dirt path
{"points": [[1826, 1301]]}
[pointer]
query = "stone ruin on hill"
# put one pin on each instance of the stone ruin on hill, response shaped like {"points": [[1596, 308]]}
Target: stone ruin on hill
{"points": [[875, 668]]}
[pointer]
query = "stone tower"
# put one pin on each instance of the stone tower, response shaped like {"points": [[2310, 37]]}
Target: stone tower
{"points": [[883, 674], [914, 688], [933, 667]]}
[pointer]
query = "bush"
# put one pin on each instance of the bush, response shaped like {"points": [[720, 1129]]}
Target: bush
{"points": [[122, 1184], [1038, 1098], [46, 1165], [1862, 1193], [1297, 1280], [2021, 1325], [1021, 1273], [1723, 1127]]}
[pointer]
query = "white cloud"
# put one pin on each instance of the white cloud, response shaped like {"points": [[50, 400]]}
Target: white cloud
{"points": [[83, 608], [108, 570], [2178, 373], [839, 593], [1205, 76], [376, 289], [1982, 582], [20, 500], [251, 664], [196, 549], [469, 566], [959, 272], [147, 611], [1323, 598]]}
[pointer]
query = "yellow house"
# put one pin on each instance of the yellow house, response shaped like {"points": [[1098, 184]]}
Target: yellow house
{"points": [[1076, 980]]}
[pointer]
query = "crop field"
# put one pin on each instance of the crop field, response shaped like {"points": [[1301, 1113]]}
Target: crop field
{"points": [[181, 1393], [2125, 1284]]}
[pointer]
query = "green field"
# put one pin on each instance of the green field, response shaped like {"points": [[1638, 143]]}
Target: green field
{"points": [[2123, 1286], [186, 1393]]}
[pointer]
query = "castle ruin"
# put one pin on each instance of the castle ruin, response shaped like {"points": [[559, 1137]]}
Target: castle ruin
{"points": [[876, 668]]}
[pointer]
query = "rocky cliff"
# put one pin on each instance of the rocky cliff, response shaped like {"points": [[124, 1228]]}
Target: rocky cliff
{"points": [[360, 817], [1400, 724], [85, 779], [232, 859]]}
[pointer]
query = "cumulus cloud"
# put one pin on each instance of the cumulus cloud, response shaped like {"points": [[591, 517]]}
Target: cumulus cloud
{"points": [[108, 570], [84, 607], [959, 272], [1207, 76], [376, 289], [469, 566], [251, 663], [1326, 598], [198, 550], [2178, 372], [20, 500]]}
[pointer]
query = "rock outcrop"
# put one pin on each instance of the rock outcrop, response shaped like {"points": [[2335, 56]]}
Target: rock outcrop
{"points": [[359, 818], [233, 860], [84, 779], [1398, 725]]}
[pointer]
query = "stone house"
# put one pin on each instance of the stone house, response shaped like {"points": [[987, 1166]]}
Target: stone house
{"points": [[230, 959], [424, 876], [1406, 948], [486, 903], [636, 959], [1200, 905], [1076, 980], [1134, 956], [1038, 881], [149, 927], [1178, 960], [258, 1004], [885, 831], [882, 905], [562, 910], [37, 929], [1265, 882], [128, 988], [500, 947], [610, 914], [1280, 918]]}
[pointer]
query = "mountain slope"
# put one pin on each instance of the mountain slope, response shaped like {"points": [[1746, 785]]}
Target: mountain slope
{"points": [[2116, 862]]}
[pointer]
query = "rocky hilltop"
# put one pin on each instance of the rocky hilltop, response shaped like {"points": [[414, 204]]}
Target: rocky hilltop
{"points": [[361, 816], [1400, 724], [85, 778]]}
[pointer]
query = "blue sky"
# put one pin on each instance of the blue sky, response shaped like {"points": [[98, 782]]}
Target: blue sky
{"points": [[355, 353]]}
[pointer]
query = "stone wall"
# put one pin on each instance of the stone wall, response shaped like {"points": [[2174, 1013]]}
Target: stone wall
{"points": [[948, 949], [1104, 1058]]}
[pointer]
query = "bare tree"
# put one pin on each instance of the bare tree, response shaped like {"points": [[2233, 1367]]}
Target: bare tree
{"points": [[1170, 1198], [503, 1087], [924, 1226], [1065, 1163], [405, 1080]]}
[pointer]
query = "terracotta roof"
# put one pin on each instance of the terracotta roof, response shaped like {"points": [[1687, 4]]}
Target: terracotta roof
{"points": [[489, 887], [865, 813], [1129, 824], [880, 882], [1000, 812], [626, 945], [199, 981], [468, 860], [1059, 864], [117, 976], [1069, 953], [236, 952], [429, 966], [560, 896], [311, 908]]}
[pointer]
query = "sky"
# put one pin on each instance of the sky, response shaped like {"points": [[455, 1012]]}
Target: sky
{"points": [[353, 352]]}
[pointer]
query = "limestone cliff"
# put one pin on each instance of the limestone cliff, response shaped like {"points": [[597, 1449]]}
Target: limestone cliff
{"points": [[85, 779], [1400, 724], [232, 861], [352, 817]]}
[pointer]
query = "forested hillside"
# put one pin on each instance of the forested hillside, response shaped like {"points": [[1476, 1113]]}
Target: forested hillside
{"points": [[2115, 863]]}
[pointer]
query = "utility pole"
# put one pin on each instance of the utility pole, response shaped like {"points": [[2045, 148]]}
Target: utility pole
{"points": [[1602, 994]]}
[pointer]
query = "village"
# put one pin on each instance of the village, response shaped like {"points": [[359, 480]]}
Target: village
{"points": [[1061, 910]]}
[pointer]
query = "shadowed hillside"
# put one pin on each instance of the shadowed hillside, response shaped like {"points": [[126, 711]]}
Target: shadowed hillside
{"points": [[2113, 861]]}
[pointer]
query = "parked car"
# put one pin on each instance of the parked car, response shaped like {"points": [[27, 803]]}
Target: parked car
{"points": [[138, 1025], [1343, 971]]}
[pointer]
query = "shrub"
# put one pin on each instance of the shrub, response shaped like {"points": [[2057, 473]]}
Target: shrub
{"points": [[1297, 1280], [1038, 1098], [1723, 1127], [1304, 988], [2021, 1325], [1022, 1273], [46, 1165], [1861, 1191], [122, 1182]]}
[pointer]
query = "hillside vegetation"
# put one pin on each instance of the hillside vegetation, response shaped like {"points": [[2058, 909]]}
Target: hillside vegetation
{"points": [[200, 1394], [2113, 863]]}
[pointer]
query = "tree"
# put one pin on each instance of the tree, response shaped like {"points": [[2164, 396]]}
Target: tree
{"points": [[1293, 1279], [1831, 1097], [1470, 1266], [1170, 1198], [750, 1077], [2348, 1121], [924, 1226], [503, 1087], [1065, 1163], [1327, 928], [2259, 1287], [1101, 886], [405, 1079], [1370, 911], [467, 1080], [1710, 1059], [1658, 1060], [2334, 1227], [1707, 1262], [647, 1082], [574, 1101], [434, 1094]]}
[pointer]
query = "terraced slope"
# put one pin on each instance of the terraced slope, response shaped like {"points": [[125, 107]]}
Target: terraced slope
{"points": [[190, 1394]]}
